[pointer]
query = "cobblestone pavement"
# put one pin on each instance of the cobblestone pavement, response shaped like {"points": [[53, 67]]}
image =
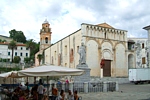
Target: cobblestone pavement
{"points": [[126, 92]]}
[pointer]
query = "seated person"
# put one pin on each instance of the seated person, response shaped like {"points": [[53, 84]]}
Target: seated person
{"points": [[34, 96], [22, 96], [54, 91], [62, 95], [76, 97], [7, 92], [70, 95], [45, 97]]}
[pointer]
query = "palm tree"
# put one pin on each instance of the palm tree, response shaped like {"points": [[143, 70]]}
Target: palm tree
{"points": [[39, 56], [12, 45]]}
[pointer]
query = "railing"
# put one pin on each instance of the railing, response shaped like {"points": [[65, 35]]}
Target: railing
{"points": [[111, 86], [78, 86], [95, 87]]}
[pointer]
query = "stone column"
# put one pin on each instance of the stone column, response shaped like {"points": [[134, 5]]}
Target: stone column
{"points": [[86, 87], [104, 86], [55, 85], [117, 86], [101, 69], [71, 86], [63, 86], [84, 77]]}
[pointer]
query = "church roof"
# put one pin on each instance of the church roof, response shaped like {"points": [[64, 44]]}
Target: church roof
{"points": [[146, 27], [45, 22], [105, 25]]}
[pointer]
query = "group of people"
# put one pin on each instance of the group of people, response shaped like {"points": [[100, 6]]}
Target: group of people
{"points": [[63, 95], [37, 93], [25, 93]]}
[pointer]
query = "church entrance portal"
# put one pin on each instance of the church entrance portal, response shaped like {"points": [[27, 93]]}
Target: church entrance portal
{"points": [[107, 68]]}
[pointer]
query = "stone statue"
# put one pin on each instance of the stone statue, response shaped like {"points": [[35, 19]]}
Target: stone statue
{"points": [[82, 53]]}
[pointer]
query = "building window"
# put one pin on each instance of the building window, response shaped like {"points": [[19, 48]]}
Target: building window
{"points": [[66, 50], [26, 54], [143, 60], [21, 48], [59, 59], [26, 48], [77, 48], [105, 35], [52, 60], [55, 55], [142, 45], [8, 53], [20, 54], [71, 56], [16, 48], [15, 53], [46, 40], [66, 64]]}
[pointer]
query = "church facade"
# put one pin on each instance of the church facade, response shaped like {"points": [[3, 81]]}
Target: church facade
{"points": [[102, 42]]}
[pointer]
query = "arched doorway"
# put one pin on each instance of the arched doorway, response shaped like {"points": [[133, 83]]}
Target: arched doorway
{"points": [[130, 61], [107, 56]]}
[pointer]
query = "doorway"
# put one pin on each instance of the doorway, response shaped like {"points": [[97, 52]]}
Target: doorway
{"points": [[107, 68]]}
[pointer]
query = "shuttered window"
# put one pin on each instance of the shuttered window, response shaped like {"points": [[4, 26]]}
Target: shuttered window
{"points": [[143, 60]]}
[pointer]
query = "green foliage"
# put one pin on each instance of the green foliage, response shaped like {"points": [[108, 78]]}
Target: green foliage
{"points": [[4, 60], [31, 44], [12, 45], [2, 41], [17, 59], [34, 48], [27, 60], [39, 56], [17, 36], [4, 69]]}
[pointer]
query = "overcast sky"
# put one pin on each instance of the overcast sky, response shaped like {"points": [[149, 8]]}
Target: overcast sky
{"points": [[66, 16]]}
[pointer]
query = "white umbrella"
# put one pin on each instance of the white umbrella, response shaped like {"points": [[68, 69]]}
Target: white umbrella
{"points": [[49, 70], [12, 74]]}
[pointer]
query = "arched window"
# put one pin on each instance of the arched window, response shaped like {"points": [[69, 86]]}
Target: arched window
{"points": [[52, 60], [105, 35], [59, 59], [71, 56], [46, 40], [142, 45]]}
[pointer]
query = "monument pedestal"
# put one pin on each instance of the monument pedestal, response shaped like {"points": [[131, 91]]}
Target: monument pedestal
{"points": [[84, 77]]}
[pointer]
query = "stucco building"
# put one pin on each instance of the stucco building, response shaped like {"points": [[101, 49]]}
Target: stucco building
{"points": [[102, 41], [138, 53], [21, 50]]}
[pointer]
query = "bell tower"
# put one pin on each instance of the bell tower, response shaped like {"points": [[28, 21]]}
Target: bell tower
{"points": [[45, 35]]}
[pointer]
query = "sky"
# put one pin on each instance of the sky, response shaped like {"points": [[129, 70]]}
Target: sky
{"points": [[66, 16]]}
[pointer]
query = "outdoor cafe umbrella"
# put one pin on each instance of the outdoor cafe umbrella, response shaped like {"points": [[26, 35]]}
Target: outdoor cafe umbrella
{"points": [[12, 74], [49, 70]]}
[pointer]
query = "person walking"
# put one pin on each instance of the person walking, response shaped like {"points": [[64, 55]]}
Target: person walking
{"points": [[40, 91]]}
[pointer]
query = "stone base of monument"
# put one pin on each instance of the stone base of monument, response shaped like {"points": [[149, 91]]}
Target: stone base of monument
{"points": [[84, 77]]}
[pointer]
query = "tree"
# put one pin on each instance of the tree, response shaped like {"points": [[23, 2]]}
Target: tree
{"points": [[39, 56], [27, 60], [12, 45], [17, 59], [17, 36], [30, 44], [34, 48]]}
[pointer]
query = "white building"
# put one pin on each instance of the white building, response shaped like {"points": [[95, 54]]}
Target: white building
{"points": [[138, 53], [21, 51]]}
